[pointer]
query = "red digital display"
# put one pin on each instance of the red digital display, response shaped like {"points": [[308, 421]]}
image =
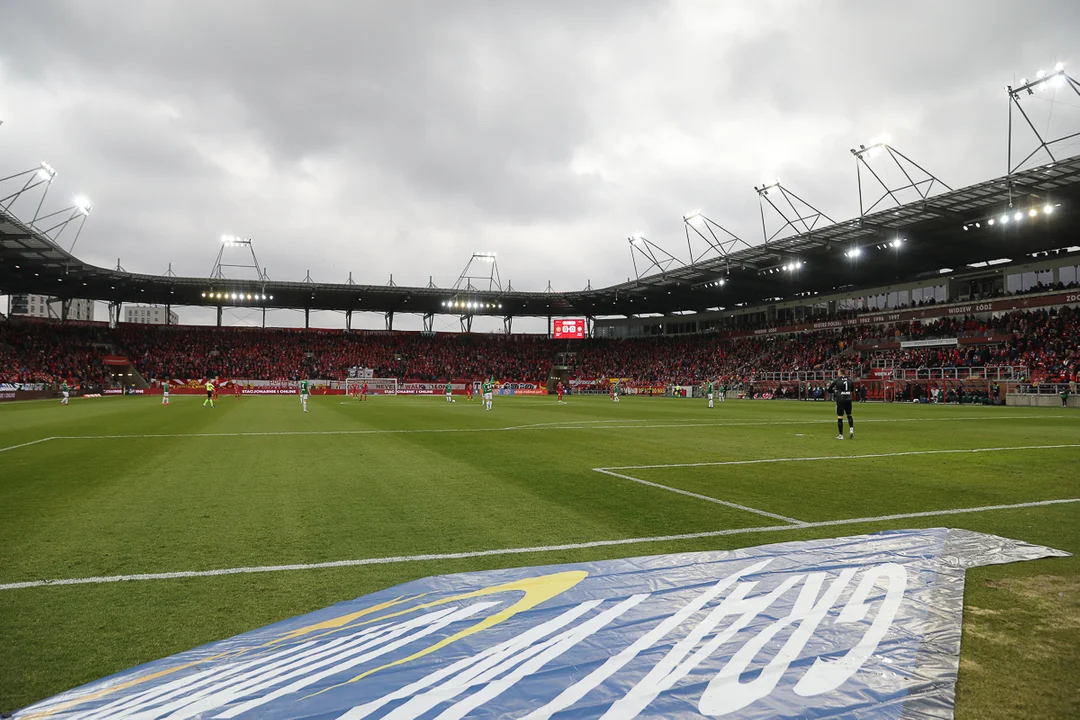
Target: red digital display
{"points": [[573, 329]]}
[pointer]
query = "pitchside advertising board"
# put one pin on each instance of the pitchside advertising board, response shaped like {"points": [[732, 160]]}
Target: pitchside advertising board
{"points": [[569, 329], [865, 626]]}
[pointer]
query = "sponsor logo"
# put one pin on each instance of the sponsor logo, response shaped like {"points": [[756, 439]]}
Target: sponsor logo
{"points": [[803, 629]]}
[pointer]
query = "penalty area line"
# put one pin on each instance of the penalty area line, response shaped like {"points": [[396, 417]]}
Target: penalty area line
{"points": [[904, 453], [523, 550], [737, 506], [533, 428], [27, 444]]}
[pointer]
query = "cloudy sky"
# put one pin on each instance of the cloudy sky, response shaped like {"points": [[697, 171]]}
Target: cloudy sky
{"points": [[399, 137]]}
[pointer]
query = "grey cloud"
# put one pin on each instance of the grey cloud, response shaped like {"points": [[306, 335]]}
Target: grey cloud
{"points": [[452, 126]]}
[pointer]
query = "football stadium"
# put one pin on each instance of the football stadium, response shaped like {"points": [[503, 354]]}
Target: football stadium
{"points": [[833, 471]]}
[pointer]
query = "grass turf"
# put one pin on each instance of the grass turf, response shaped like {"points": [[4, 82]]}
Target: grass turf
{"points": [[129, 486]]}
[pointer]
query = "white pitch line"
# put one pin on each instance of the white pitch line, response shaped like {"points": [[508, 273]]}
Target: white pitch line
{"points": [[520, 551], [563, 423], [737, 506], [26, 444], [838, 457], [675, 426]]}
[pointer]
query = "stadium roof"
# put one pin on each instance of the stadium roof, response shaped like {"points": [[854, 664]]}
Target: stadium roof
{"points": [[932, 232]]}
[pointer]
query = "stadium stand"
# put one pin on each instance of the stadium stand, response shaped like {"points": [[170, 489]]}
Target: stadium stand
{"points": [[1045, 341]]}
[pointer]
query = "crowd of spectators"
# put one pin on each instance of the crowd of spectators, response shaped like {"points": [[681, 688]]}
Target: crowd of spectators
{"points": [[41, 351]]}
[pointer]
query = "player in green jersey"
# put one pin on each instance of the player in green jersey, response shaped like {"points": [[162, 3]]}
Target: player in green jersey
{"points": [[304, 393], [489, 389], [709, 393], [449, 392], [66, 392], [720, 389]]}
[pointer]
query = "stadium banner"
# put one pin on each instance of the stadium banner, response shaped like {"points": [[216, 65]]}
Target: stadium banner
{"points": [[930, 342], [646, 390], [6, 395], [865, 626]]}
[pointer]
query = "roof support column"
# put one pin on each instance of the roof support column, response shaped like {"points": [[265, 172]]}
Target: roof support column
{"points": [[114, 314], [307, 318], [348, 320], [429, 322], [390, 320], [219, 316], [508, 324]]}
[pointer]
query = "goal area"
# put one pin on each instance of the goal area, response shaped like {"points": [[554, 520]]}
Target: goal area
{"points": [[376, 386]]}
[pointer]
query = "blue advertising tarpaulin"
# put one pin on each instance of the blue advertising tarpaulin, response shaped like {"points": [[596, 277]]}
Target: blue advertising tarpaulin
{"points": [[865, 627]]}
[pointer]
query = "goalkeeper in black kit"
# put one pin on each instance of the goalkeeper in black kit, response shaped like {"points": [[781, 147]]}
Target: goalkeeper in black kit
{"points": [[843, 390]]}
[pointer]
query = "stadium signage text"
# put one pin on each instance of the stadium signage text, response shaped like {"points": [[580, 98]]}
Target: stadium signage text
{"points": [[800, 629]]}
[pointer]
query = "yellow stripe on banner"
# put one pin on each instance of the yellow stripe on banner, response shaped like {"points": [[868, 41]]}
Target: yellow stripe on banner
{"points": [[537, 590]]}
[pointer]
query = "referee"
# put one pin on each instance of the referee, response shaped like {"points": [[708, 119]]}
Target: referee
{"points": [[842, 390]]}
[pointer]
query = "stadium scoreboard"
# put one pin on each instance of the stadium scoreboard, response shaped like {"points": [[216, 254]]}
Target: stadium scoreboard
{"points": [[570, 329]]}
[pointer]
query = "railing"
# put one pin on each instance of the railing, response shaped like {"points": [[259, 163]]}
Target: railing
{"points": [[794, 376], [1044, 388], [1000, 373]]}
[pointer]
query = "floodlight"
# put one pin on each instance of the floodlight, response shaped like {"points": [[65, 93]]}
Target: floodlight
{"points": [[271, 297], [1017, 216], [1059, 67], [978, 225], [46, 172], [965, 227], [1040, 75], [990, 221], [1043, 86], [82, 204], [1004, 218], [1033, 212], [203, 295], [1023, 81], [1048, 209]]}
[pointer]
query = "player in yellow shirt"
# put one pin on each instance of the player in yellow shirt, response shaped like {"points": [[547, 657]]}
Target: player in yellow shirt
{"points": [[209, 394]]}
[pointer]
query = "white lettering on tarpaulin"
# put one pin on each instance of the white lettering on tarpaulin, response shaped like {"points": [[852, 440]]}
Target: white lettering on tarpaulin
{"points": [[816, 628]]}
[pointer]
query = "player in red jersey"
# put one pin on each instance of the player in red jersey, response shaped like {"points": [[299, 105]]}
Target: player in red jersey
{"points": [[236, 389], [559, 389], [215, 391], [363, 391], [469, 389]]}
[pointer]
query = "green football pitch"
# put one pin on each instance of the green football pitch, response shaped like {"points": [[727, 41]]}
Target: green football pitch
{"points": [[414, 486]]}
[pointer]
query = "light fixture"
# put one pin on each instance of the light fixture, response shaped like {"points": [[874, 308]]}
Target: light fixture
{"points": [[1047, 209], [82, 204], [1018, 215], [1033, 212], [990, 221], [965, 228], [1059, 67], [1004, 218]]}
